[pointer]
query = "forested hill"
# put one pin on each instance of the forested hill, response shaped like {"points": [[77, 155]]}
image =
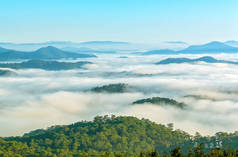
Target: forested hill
{"points": [[126, 135], [162, 102], [113, 88], [103, 134]]}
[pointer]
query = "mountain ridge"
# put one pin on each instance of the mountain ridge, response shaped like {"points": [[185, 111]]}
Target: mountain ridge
{"points": [[207, 59], [211, 47], [48, 52], [45, 65]]}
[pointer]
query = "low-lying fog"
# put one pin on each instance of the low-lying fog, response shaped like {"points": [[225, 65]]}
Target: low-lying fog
{"points": [[38, 99]]}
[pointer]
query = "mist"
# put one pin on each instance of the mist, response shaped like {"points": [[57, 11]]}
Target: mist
{"points": [[38, 99]]}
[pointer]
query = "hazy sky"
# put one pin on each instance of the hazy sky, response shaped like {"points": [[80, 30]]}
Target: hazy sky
{"points": [[120, 20]]}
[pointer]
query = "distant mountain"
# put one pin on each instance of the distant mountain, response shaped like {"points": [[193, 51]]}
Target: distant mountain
{"points": [[176, 42], [161, 102], [96, 45], [7, 73], [35, 46], [55, 53], [206, 59], [109, 46], [104, 43], [212, 47], [46, 65], [86, 50], [232, 43], [162, 52], [42, 53]]}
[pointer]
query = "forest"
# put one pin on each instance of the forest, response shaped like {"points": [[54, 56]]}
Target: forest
{"points": [[117, 136]]}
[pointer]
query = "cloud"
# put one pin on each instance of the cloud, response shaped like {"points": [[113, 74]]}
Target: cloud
{"points": [[38, 99]]}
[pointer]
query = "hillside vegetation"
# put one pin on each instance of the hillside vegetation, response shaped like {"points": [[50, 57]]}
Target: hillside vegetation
{"points": [[116, 136]]}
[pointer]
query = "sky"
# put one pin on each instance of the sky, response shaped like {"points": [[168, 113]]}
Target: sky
{"points": [[140, 21]]}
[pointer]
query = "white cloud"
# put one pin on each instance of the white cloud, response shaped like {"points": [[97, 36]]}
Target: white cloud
{"points": [[38, 98]]}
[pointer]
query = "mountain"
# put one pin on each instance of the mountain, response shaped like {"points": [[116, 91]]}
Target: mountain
{"points": [[35, 46], [86, 50], [212, 47], [99, 45], [162, 52], [46, 65], [55, 53], [206, 59], [42, 53], [104, 43], [7, 73], [232, 43], [176, 42]]}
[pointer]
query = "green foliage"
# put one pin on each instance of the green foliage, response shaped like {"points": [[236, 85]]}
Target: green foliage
{"points": [[112, 88], [117, 137], [104, 134], [161, 101]]}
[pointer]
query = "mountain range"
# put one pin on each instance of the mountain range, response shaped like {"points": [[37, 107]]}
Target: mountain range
{"points": [[212, 47], [45, 65], [96, 45], [49, 52], [206, 59]]}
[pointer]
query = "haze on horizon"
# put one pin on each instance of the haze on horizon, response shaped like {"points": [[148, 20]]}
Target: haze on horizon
{"points": [[139, 21]]}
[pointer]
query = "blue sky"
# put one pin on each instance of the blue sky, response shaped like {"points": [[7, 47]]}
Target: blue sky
{"points": [[143, 21]]}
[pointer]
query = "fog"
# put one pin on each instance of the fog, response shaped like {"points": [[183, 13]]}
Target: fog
{"points": [[38, 99]]}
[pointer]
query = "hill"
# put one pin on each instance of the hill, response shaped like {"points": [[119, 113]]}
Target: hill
{"points": [[113, 134], [123, 134], [206, 59], [42, 53], [46, 65], [112, 88], [162, 102]]}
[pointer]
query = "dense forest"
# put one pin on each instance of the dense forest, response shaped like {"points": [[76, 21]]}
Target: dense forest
{"points": [[117, 136]]}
